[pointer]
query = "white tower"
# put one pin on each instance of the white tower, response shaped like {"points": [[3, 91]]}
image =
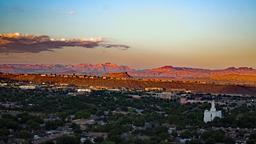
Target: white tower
{"points": [[210, 115], [213, 109]]}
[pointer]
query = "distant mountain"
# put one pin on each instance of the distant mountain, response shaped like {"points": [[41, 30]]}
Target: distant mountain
{"points": [[171, 72], [90, 69], [187, 73], [241, 75]]}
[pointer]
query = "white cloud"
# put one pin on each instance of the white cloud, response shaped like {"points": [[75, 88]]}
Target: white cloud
{"points": [[71, 12]]}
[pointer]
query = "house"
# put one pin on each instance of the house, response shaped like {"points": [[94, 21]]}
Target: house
{"points": [[81, 90], [84, 123], [154, 89], [27, 87]]}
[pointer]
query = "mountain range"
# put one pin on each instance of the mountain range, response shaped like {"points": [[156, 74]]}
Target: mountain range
{"points": [[241, 75]]}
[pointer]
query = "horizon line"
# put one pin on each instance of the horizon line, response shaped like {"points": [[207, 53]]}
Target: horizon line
{"points": [[152, 67]]}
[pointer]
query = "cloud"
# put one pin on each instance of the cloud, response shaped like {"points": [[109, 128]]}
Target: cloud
{"points": [[123, 47], [21, 43], [71, 12]]}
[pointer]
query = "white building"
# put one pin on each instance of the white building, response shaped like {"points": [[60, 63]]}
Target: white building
{"points": [[84, 90], [27, 87], [3, 84], [210, 115], [154, 89]]}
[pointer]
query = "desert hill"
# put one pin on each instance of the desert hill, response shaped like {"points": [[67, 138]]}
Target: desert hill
{"points": [[133, 83]]}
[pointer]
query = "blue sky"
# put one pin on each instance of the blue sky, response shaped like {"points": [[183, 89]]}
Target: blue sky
{"points": [[175, 32]]}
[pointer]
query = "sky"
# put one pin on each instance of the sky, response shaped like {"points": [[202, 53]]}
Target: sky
{"points": [[191, 33]]}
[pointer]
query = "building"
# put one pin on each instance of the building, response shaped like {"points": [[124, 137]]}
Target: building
{"points": [[210, 115], [163, 95], [81, 90], [3, 84], [27, 87], [154, 89]]}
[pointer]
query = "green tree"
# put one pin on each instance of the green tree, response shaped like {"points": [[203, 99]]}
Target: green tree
{"points": [[68, 140], [82, 114], [52, 125]]}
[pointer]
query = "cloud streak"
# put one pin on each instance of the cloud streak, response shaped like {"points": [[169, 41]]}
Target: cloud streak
{"points": [[71, 12], [21, 43]]}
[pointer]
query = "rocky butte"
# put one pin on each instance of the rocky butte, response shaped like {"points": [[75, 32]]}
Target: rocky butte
{"points": [[118, 75]]}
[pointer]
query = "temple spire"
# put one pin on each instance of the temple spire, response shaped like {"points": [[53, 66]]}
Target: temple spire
{"points": [[213, 106]]}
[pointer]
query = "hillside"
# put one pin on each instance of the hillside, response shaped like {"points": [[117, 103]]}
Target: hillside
{"points": [[241, 75], [134, 83]]}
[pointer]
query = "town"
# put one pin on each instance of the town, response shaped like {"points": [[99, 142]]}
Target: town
{"points": [[127, 72], [66, 113]]}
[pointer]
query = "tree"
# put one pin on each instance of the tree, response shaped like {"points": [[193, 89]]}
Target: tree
{"points": [[108, 142], [252, 139], [186, 134], [213, 136], [4, 134], [52, 125], [68, 140], [76, 128], [24, 134], [82, 114]]}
